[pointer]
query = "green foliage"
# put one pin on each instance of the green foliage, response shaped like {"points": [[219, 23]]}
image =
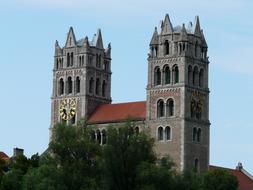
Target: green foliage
{"points": [[127, 162], [76, 157], [219, 179], [123, 154]]}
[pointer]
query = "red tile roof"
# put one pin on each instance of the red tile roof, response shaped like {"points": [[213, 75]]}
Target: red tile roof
{"points": [[245, 182], [111, 113], [4, 156]]}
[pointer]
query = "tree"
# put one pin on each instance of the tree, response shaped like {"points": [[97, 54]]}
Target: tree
{"points": [[76, 157], [124, 152], [219, 179]]}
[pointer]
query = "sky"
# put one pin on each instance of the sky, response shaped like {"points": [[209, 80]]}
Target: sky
{"points": [[28, 32]]}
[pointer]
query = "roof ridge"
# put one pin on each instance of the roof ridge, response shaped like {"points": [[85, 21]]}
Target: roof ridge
{"points": [[125, 102]]}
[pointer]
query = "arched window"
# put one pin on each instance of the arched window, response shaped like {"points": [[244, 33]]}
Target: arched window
{"points": [[69, 84], [199, 135], [91, 85], [196, 49], [61, 87], [68, 59], [196, 164], [167, 47], [193, 108], [104, 88], [137, 130], [82, 60], [175, 73], [57, 64], [78, 85], [166, 71], [98, 137], [72, 59], [160, 108], [180, 48], [195, 75], [98, 86], [201, 78], [190, 75], [194, 134], [103, 137], [157, 76], [160, 134], [170, 107], [167, 133]]}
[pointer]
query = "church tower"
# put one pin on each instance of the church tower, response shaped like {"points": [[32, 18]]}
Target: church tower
{"points": [[177, 110], [81, 78]]}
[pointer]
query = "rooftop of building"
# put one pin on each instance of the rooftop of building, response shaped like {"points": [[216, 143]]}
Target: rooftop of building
{"points": [[113, 113], [245, 180], [4, 156]]}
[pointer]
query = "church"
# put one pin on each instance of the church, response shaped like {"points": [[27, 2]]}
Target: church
{"points": [[176, 110]]}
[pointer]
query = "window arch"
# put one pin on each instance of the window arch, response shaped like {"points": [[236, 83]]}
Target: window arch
{"points": [[98, 86], [167, 47], [57, 64], [160, 108], [80, 61], [166, 71], [196, 49], [167, 133], [170, 107], [61, 87], [78, 82], [72, 59], [201, 78], [194, 134], [175, 74], [91, 85], [160, 134], [69, 84], [190, 75], [157, 76], [195, 75], [68, 59], [199, 135], [104, 86]]}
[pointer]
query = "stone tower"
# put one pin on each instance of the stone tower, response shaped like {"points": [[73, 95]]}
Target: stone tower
{"points": [[178, 95], [81, 78]]}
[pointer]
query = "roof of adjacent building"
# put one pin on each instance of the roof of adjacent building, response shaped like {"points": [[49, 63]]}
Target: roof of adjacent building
{"points": [[245, 180], [4, 156], [112, 113]]}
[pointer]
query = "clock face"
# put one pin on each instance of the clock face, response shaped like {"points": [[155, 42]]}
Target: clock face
{"points": [[197, 102], [67, 108]]}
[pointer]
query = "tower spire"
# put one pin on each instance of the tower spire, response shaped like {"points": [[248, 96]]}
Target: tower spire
{"points": [[71, 39], [183, 33], [197, 30], [99, 40], [154, 40], [167, 26]]}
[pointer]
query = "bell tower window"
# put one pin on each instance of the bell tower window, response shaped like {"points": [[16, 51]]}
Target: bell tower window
{"points": [[78, 85], [61, 87], [160, 108], [167, 47], [157, 76], [69, 84]]}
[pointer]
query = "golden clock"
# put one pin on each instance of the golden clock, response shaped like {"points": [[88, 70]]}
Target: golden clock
{"points": [[67, 108], [197, 102]]}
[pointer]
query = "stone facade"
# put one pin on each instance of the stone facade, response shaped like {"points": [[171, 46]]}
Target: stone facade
{"points": [[177, 104]]}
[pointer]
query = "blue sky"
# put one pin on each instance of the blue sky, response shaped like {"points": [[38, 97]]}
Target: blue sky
{"points": [[29, 29]]}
